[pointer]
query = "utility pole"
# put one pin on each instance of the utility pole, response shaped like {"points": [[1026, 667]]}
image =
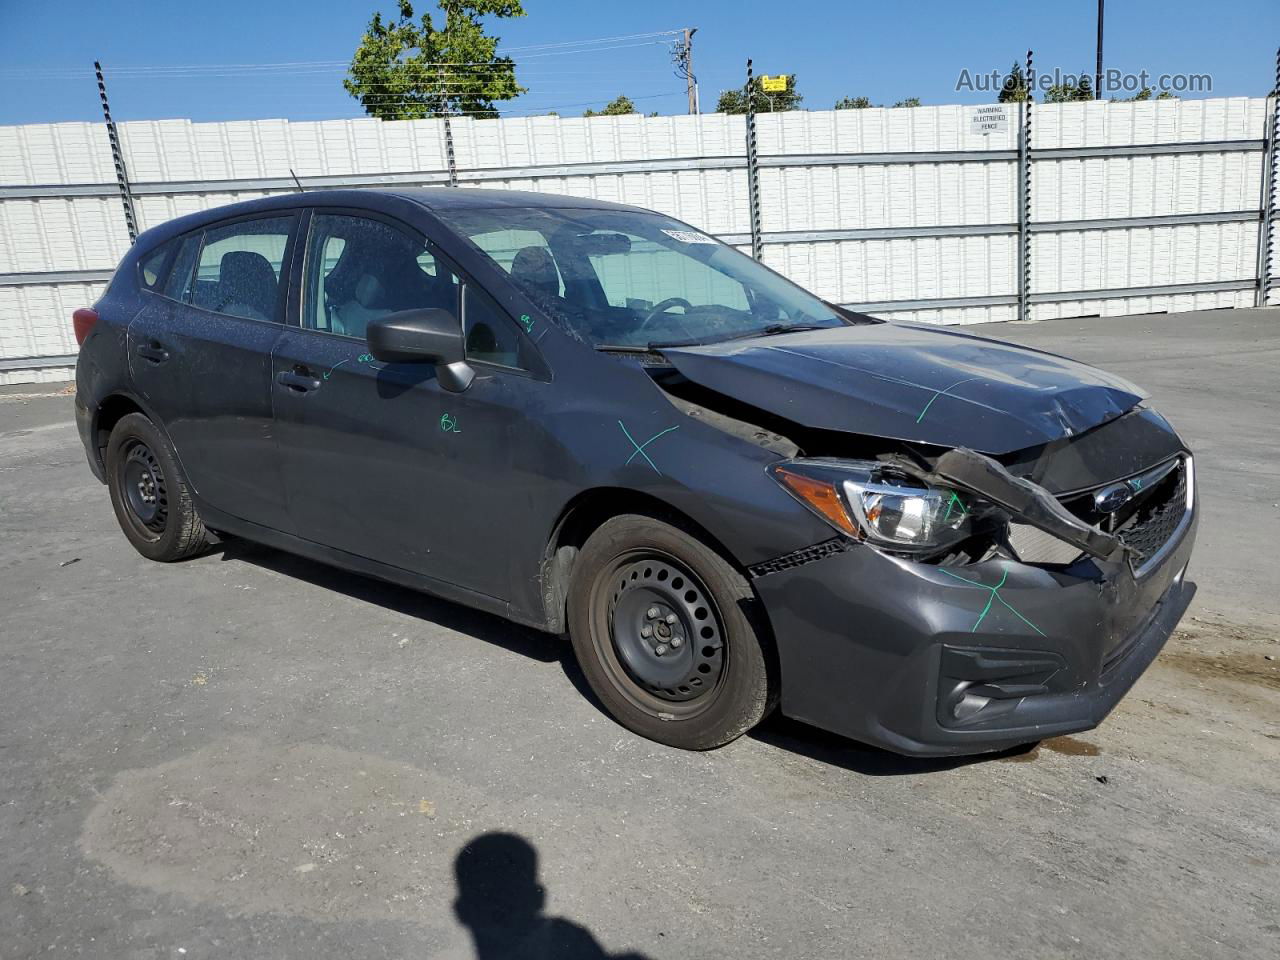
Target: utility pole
{"points": [[682, 56], [1097, 77]]}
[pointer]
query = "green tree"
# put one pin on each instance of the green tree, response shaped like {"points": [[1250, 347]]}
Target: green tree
{"points": [[734, 100], [406, 69], [1014, 89], [1145, 94], [852, 103], [1067, 92], [909, 102], [618, 106]]}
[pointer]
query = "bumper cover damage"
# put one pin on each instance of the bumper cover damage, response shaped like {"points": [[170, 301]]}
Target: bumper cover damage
{"points": [[943, 660]]}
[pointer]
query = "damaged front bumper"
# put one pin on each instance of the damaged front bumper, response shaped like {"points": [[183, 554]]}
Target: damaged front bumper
{"points": [[932, 660]]}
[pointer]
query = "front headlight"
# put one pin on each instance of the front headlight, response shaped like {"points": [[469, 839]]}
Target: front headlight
{"points": [[871, 501]]}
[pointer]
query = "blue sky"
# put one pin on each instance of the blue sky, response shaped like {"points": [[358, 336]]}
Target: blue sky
{"points": [[884, 50]]}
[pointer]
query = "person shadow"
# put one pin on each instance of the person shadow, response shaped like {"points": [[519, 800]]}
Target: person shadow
{"points": [[501, 901]]}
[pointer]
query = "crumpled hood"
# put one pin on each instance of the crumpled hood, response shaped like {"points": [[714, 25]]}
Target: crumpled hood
{"points": [[912, 382]]}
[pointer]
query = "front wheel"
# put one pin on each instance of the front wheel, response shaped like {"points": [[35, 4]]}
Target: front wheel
{"points": [[149, 492], [667, 635]]}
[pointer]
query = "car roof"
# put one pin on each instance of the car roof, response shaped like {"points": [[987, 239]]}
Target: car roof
{"points": [[455, 198], [384, 199]]}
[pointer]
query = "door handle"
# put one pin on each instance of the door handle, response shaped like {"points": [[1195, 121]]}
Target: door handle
{"points": [[298, 381], [153, 352]]}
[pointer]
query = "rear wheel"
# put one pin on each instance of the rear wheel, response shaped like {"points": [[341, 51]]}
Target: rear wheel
{"points": [[149, 492], [665, 632]]}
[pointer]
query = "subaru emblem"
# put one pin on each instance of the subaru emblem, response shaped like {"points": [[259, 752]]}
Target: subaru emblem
{"points": [[1112, 498]]}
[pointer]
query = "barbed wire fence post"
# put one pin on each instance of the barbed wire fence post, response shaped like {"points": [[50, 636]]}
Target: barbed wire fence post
{"points": [[450, 161], [1266, 224], [753, 167], [1024, 197], [117, 157], [448, 152]]}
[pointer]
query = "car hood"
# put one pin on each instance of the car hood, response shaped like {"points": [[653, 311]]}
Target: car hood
{"points": [[911, 382]]}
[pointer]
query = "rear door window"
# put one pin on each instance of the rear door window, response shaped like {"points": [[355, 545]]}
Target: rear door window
{"points": [[239, 268]]}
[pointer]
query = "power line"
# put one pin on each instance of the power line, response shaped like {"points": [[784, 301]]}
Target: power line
{"points": [[586, 47], [447, 79]]}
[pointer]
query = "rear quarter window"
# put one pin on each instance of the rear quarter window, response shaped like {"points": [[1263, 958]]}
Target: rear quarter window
{"points": [[153, 267]]}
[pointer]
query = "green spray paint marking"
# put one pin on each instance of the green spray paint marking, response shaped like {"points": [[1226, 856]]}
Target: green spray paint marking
{"points": [[995, 595], [940, 393], [639, 447], [363, 358], [954, 502], [1136, 482], [527, 322], [448, 424]]}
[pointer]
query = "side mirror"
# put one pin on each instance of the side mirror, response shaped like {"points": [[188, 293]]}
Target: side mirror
{"points": [[428, 335]]}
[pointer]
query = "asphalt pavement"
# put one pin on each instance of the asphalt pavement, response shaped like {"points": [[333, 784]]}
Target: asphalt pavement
{"points": [[250, 755]]}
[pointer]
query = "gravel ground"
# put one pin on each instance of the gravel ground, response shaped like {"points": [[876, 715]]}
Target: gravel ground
{"points": [[251, 755]]}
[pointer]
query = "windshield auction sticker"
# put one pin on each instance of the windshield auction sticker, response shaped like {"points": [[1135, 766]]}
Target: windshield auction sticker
{"points": [[688, 236]]}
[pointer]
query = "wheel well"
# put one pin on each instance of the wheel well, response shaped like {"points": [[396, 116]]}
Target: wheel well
{"points": [[582, 517], [112, 410]]}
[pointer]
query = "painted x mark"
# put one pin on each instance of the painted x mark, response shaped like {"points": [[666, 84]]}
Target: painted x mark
{"points": [[995, 595], [639, 447], [944, 391]]}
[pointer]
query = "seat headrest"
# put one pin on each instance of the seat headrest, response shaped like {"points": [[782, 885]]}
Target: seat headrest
{"points": [[245, 266], [368, 292], [533, 266], [246, 277]]}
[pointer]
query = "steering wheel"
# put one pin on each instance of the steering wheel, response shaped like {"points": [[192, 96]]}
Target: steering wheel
{"points": [[663, 307]]}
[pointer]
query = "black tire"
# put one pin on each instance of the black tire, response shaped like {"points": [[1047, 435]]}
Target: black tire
{"points": [[717, 682], [149, 492]]}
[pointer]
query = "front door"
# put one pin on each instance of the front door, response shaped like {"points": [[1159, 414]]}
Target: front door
{"points": [[200, 357], [378, 459]]}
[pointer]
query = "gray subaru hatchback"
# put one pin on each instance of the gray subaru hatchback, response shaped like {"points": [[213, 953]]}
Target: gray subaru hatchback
{"points": [[597, 420]]}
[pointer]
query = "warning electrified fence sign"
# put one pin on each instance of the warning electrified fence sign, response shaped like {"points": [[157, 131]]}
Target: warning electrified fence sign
{"points": [[774, 84], [986, 120]]}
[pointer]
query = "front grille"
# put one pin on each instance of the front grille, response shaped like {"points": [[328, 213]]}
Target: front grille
{"points": [[1157, 517], [1144, 524]]}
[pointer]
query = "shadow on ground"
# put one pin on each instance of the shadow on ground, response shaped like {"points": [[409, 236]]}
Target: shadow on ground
{"points": [[778, 731], [525, 641], [837, 751], [500, 902]]}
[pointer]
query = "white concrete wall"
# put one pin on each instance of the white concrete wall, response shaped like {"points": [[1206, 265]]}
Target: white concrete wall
{"points": [[81, 233]]}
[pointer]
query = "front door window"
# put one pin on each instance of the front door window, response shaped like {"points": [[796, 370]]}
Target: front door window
{"points": [[359, 269]]}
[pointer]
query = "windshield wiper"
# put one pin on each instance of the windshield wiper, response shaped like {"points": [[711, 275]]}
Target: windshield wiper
{"points": [[772, 330], [775, 329], [630, 348], [693, 342]]}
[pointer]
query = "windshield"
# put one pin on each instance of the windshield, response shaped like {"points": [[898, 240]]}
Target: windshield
{"points": [[630, 278]]}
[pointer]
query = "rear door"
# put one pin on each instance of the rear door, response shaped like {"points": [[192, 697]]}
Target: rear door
{"points": [[200, 356], [378, 459]]}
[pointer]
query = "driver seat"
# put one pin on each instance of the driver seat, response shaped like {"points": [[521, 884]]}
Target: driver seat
{"points": [[533, 269]]}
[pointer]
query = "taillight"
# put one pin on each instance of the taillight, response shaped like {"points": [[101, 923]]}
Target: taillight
{"points": [[83, 321]]}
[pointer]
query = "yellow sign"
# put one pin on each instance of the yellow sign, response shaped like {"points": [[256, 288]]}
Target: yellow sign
{"points": [[776, 84]]}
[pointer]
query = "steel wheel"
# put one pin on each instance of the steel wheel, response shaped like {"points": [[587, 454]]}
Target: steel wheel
{"points": [[659, 634], [143, 484], [667, 633]]}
